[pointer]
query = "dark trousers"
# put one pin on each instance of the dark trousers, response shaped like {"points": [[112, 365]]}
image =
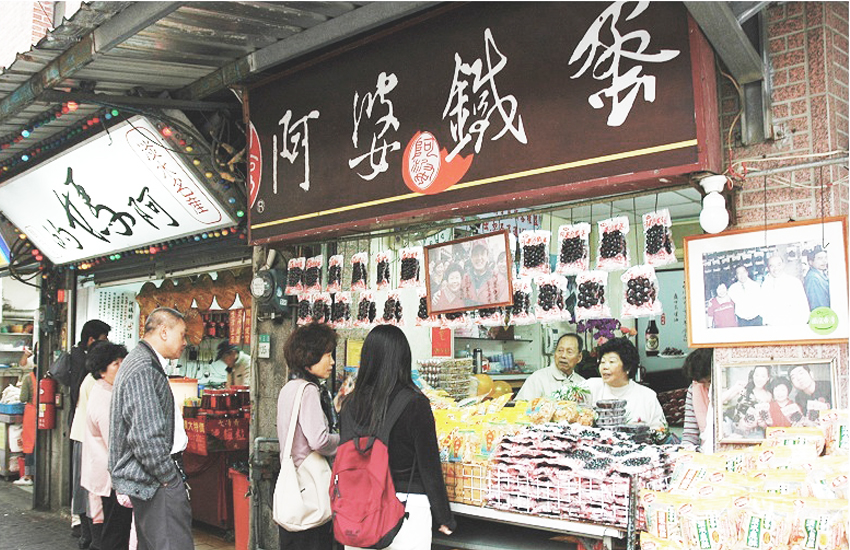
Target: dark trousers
{"points": [[754, 322], [165, 521], [317, 538], [117, 522]]}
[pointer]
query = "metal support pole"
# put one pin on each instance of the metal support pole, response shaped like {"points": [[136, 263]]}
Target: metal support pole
{"points": [[814, 164]]}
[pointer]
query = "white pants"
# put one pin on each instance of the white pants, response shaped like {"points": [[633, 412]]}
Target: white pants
{"points": [[415, 532]]}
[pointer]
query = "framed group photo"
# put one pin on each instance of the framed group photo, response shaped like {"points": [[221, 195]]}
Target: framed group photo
{"points": [[753, 396], [783, 283], [469, 273]]}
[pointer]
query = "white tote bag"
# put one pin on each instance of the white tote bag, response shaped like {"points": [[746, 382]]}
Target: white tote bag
{"points": [[301, 497]]}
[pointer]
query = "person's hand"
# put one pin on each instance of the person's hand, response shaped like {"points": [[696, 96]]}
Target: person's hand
{"points": [[445, 530]]}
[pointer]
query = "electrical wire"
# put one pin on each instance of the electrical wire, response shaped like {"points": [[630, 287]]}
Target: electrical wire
{"points": [[740, 109]]}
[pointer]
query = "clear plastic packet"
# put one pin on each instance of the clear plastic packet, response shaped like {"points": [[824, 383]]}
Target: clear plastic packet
{"points": [[411, 267], [709, 524], [455, 319], [573, 249], [313, 274], [382, 269], [591, 290], [490, 317], [295, 275], [783, 458], [422, 317], [612, 253], [360, 271], [819, 525], [791, 483], [661, 514], [551, 290], [367, 310], [321, 308], [341, 310], [792, 437], [649, 542], [766, 523], [640, 292], [392, 312], [658, 247], [534, 247], [304, 314], [335, 273], [521, 312], [836, 428]]}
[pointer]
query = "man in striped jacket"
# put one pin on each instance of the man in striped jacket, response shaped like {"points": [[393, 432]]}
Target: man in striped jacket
{"points": [[141, 427]]}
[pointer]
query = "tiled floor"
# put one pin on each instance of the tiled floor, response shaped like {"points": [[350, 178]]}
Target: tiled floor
{"points": [[207, 540]]}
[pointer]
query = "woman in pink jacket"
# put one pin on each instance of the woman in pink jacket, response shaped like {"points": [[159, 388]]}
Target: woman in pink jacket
{"points": [[110, 521]]}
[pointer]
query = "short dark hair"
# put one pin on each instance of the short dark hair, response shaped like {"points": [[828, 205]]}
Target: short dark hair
{"points": [[625, 350], [452, 267], [306, 346], [94, 328], [810, 255], [698, 364], [162, 316], [780, 381], [101, 354], [571, 335]]}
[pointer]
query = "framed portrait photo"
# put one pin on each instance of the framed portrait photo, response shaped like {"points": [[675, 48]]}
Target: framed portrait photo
{"points": [[754, 396], [468, 274], [783, 283]]}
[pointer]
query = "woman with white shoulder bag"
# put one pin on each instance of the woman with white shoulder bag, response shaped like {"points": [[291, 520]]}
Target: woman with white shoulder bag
{"points": [[304, 420]]}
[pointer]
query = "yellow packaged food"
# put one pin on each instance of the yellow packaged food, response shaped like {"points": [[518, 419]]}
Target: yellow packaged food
{"points": [[586, 416], [566, 412], [793, 437], [692, 481], [650, 542], [783, 458], [766, 524], [791, 483], [818, 525], [661, 514], [692, 467], [541, 411], [491, 435], [836, 426], [497, 404], [710, 524]]}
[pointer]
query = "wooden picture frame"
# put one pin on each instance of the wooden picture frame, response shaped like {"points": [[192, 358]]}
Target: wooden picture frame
{"points": [[749, 397], [794, 289], [468, 274]]}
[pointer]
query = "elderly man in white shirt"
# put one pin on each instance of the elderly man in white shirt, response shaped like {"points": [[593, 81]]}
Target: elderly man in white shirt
{"points": [[545, 381], [784, 299], [746, 293]]}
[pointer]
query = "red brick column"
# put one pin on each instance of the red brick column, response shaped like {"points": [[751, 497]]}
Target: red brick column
{"points": [[42, 19]]}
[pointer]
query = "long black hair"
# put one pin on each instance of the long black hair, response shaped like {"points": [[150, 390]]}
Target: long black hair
{"points": [[385, 364]]}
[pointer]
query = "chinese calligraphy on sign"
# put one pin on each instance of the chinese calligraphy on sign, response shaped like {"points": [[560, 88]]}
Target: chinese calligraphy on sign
{"points": [[607, 58], [474, 100], [295, 142], [374, 104]]}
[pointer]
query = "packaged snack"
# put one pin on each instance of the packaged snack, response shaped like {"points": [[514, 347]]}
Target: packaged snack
{"points": [[490, 317], [661, 514], [335, 273], [305, 308], [783, 458], [359, 279], [818, 525], [709, 523], [613, 253], [836, 426], [455, 319], [766, 524], [382, 269], [573, 249], [534, 246], [392, 313], [640, 292], [540, 410], [791, 483], [295, 275], [591, 303], [790, 437], [367, 310], [551, 290], [313, 274], [521, 312], [649, 542], [658, 239], [321, 309], [341, 310], [411, 266], [422, 317], [827, 482]]}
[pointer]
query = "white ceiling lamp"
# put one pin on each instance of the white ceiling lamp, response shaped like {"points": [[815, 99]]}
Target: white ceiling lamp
{"points": [[714, 217]]}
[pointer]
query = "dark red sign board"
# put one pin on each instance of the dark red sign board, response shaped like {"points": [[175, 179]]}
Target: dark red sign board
{"points": [[477, 106]]}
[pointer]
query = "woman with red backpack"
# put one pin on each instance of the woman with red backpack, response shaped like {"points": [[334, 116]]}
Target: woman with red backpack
{"points": [[384, 379]]}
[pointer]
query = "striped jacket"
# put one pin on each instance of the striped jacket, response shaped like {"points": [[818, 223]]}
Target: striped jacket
{"points": [[141, 426]]}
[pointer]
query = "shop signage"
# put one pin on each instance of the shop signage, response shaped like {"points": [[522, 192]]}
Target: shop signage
{"points": [[475, 107], [114, 192]]}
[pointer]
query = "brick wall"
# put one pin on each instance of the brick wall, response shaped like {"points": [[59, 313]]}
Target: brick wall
{"points": [[808, 75], [808, 55], [42, 19]]}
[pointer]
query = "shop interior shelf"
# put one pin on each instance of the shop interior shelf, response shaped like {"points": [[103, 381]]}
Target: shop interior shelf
{"points": [[493, 339]]}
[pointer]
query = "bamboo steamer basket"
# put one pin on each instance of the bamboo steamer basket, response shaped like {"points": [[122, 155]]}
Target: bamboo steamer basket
{"points": [[224, 289]]}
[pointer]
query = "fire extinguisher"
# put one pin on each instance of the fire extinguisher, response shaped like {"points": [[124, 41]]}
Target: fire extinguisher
{"points": [[47, 403]]}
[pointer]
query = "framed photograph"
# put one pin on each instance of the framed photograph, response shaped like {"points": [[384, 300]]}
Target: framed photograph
{"points": [[756, 395], [782, 283], [469, 273]]}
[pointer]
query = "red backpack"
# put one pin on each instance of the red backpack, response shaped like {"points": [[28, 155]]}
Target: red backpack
{"points": [[366, 511]]}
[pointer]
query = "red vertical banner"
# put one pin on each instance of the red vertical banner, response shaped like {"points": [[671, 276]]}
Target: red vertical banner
{"points": [[246, 327], [237, 317], [441, 342]]}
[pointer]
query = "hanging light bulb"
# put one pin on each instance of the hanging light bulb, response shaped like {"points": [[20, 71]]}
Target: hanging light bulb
{"points": [[714, 217]]}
